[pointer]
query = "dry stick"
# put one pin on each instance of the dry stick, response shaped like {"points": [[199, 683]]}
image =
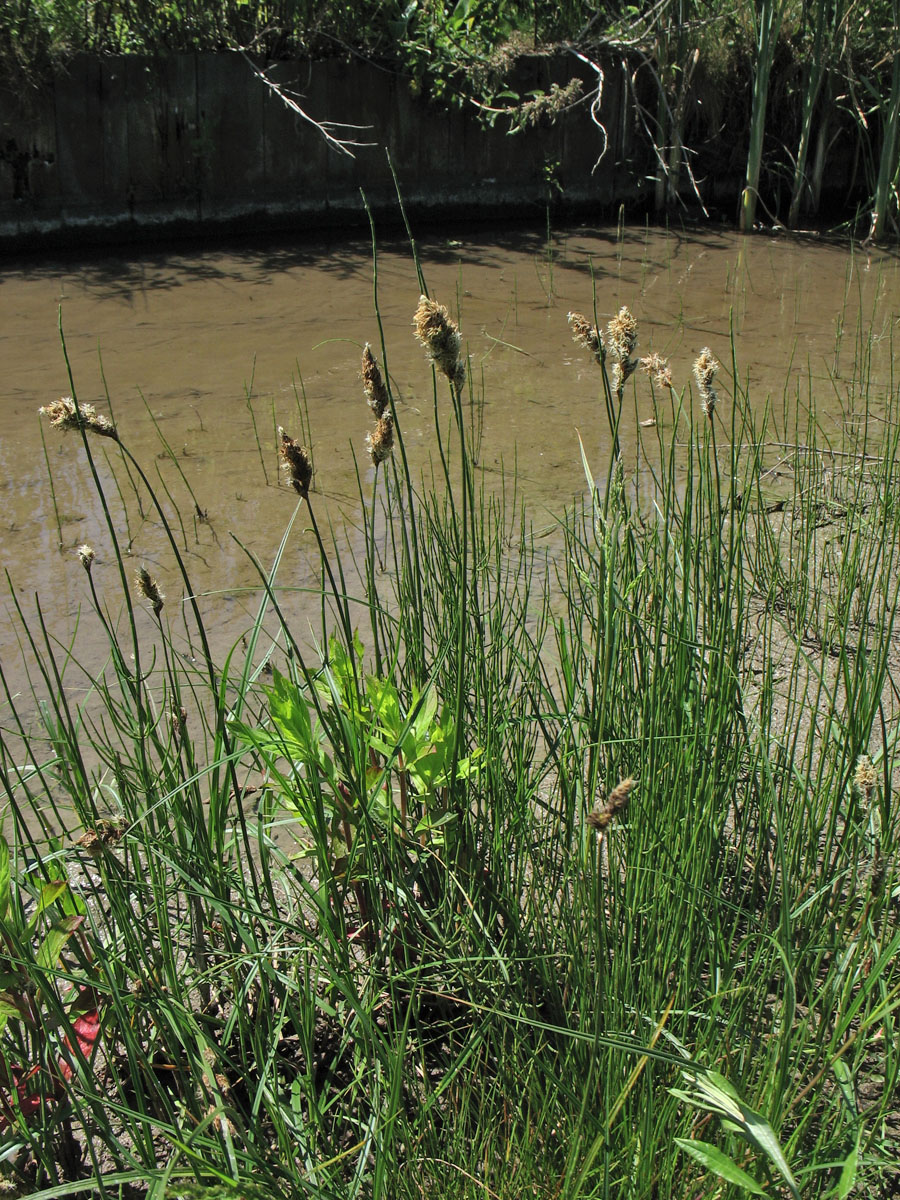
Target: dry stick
{"points": [[248, 392], [328, 129], [639, 109]]}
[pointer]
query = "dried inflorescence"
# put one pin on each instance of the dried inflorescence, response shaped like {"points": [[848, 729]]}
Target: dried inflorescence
{"points": [[549, 104], [148, 588], [66, 414], [618, 798], [296, 463], [178, 716], [586, 335], [439, 334], [622, 333], [658, 369], [106, 834], [705, 369], [86, 555], [864, 777], [373, 384], [380, 442]]}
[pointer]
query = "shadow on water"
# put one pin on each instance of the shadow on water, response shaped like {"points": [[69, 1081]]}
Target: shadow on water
{"points": [[128, 270]]}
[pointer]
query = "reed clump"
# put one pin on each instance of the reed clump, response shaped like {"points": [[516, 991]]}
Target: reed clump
{"points": [[329, 918]]}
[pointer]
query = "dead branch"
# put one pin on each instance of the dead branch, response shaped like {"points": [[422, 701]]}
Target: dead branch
{"points": [[334, 132]]}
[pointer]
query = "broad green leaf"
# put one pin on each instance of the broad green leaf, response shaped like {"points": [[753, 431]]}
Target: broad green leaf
{"points": [[290, 712], [762, 1135], [716, 1094], [468, 768], [847, 1180], [720, 1164], [385, 706], [428, 769], [50, 892], [425, 714], [9, 1008], [57, 936], [428, 824], [844, 1077]]}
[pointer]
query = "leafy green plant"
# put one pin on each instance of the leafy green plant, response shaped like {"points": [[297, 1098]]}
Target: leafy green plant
{"points": [[348, 746], [712, 1093]]}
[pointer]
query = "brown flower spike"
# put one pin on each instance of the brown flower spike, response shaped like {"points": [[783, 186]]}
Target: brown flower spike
{"points": [[658, 369], [380, 442], [439, 334], [66, 414], [373, 384], [149, 589], [705, 369], [618, 798], [623, 334], [865, 776], [296, 464], [586, 335]]}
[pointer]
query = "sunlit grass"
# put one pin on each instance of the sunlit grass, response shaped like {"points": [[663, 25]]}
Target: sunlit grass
{"points": [[562, 872]]}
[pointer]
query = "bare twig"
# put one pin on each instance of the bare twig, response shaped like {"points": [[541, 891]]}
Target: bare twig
{"points": [[639, 109], [596, 103], [334, 132]]}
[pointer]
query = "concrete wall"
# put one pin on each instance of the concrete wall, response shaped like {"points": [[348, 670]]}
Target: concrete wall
{"points": [[124, 147]]}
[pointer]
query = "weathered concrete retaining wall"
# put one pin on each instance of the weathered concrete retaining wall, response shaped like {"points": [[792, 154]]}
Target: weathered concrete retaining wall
{"points": [[125, 147]]}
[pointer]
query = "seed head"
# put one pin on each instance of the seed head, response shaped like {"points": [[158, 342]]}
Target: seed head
{"points": [[148, 588], [658, 369], [297, 463], [864, 776], [373, 384], [178, 715], [623, 335], [618, 798], [586, 335], [380, 442], [439, 334], [87, 556], [66, 414], [705, 369], [106, 833]]}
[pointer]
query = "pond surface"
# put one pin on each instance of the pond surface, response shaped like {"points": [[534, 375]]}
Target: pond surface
{"points": [[212, 349]]}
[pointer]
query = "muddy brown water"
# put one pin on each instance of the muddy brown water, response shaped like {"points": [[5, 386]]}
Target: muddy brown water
{"points": [[182, 338]]}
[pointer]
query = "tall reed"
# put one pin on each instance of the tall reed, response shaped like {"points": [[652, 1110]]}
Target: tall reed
{"points": [[532, 869]]}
